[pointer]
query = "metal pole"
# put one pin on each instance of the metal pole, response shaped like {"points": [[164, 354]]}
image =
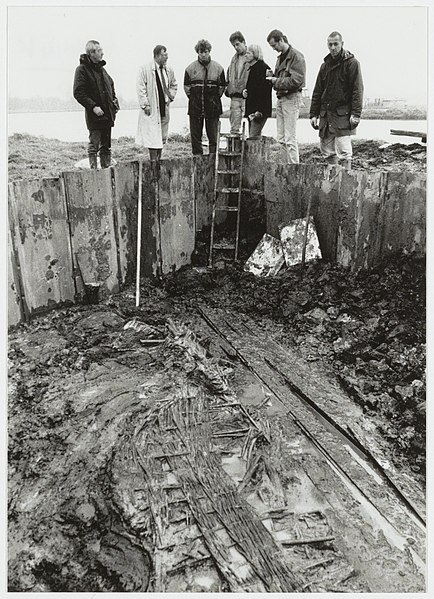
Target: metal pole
{"points": [[139, 233]]}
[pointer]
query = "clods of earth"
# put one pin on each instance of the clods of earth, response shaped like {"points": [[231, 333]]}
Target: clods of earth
{"points": [[231, 434]]}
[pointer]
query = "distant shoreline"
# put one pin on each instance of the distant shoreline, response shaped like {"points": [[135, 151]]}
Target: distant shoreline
{"points": [[399, 114]]}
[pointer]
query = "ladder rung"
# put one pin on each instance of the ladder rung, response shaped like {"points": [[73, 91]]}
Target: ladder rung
{"points": [[227, 208], [229, 190], [224, 246], [224, 153], [253, 191], [228, 172]]}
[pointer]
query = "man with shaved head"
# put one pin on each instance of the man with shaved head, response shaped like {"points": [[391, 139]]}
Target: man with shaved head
{"points": [[337, 102]]}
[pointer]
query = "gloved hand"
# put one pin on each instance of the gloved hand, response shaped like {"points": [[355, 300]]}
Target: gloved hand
{"points": [[244, 93], [354, 121], [314, 122]]}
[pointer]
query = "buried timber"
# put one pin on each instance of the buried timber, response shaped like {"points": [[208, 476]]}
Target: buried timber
{"points": [[231, 434]]}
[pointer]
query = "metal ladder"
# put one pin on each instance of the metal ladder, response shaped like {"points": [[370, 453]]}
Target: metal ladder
{"points": [[230, 155]]}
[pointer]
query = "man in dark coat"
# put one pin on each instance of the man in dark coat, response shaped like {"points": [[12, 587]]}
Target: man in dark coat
{"points": [[337, 102], [94, 89], [204, 84]]}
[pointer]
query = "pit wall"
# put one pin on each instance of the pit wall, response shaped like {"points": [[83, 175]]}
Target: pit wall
{"points": [[81, 228]]}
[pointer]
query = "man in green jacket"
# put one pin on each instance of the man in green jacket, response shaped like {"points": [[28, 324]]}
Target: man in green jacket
{"points": [[288, 81], [337, 102]]}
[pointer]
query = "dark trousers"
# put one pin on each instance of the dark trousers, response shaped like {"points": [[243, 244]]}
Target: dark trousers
{"points": [[211, 128], [100, 140]]}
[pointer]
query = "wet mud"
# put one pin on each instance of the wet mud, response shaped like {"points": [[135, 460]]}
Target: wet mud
{"points": [[146, 453]]}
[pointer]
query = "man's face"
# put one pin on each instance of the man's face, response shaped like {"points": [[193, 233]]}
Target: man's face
{"points": [[240, 47], [204, 55], [161, 58], [96, 54], [334, 45], [278, 46]]}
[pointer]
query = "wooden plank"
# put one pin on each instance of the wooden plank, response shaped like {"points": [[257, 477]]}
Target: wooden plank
{"points": [[151, 247], [420, 134], [403, 222], [203, 181], [15, 309], [42, 242], [89, 197], [176, 214], [125, 202]]}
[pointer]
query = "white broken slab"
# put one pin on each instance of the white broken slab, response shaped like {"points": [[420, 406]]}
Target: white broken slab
{"points": [[267, 258], [292, 236], [84, 164]]}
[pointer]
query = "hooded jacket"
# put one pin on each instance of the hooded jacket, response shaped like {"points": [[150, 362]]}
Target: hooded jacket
{"points": [[338, 94], [93, 86], [204, 85]]}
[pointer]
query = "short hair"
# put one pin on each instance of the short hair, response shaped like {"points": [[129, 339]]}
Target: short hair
{"points": [[256, 51], [277, 35], [159, 49], [202, 46], [91, 45], [236, 36], [335, 34]]}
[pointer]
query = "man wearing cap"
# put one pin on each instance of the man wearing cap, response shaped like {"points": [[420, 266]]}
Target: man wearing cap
{"points": [[337, 102], [156, 89], [288, 81]]}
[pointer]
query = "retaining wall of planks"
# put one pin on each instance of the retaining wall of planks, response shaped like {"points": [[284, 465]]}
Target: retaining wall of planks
{"points": [[82, 226]]}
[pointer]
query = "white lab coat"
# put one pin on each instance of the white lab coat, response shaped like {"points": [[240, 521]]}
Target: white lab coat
{"points": [[149, 127]]}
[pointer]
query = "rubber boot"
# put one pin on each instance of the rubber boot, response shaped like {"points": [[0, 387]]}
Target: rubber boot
{"points": [[105, 159], [347, 164], [92, 161]]}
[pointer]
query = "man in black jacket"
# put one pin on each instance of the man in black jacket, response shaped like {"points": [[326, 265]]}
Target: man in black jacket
{"points": [[337, 102], [94, 89]]}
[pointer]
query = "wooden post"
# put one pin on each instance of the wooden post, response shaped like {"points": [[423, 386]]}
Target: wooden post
{"points": [[139, 232]]}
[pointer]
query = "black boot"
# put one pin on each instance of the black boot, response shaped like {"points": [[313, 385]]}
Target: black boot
{"points": [[92, 161], [106, 159]]}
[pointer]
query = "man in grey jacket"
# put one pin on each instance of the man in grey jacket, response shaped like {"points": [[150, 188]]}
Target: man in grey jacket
{"points": [[236, 79], [288, 81]]}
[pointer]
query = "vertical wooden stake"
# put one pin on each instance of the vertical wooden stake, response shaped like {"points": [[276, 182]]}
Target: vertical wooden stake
{"points": [[303, 251], [139, 233]]}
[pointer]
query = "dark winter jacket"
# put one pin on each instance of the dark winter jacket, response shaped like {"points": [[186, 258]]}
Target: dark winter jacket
{"points": [[204, 86], [290, 73], [258, 90], [338, 94], [93, 86]]}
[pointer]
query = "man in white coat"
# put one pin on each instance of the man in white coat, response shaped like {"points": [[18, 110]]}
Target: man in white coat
{"points": [[156, 89]]}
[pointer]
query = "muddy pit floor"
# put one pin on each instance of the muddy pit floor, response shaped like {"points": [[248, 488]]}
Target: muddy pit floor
{"points": [[218, 438]]}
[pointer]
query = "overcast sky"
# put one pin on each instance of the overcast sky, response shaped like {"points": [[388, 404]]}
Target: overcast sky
{"points": [[44, 42]]}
